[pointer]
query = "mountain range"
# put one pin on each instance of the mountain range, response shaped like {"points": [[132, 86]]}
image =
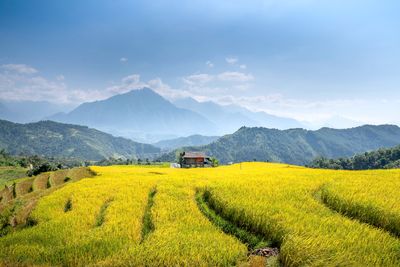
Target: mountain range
{"points": [[136, 114], [146, 116], [297, 146], [52, 139], [229, 118]]}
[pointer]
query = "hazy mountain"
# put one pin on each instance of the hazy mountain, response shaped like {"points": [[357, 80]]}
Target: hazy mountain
{"points": [[193, 140], [229, 118], [29, 111], [52, 139], [299, 146], [138, 112]]}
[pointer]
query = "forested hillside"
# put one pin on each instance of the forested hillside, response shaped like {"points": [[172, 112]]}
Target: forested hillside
{"points": [[388, 158], [298, 146], [52, 139]]}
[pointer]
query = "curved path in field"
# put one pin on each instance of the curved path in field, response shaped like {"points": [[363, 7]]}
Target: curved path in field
{"points": [[355, 211], [256, 243]]}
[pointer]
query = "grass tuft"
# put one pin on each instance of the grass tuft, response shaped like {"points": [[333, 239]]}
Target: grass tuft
{"points": [[68, 205], [30, 222], [102, 213], [14, 190]]}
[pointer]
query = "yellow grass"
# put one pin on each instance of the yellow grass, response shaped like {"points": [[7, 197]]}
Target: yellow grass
{"points": [[371, 197], [280, 201]]}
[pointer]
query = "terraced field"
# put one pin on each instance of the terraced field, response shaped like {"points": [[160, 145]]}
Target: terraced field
{"points": [[225, 216], [19, 197]]}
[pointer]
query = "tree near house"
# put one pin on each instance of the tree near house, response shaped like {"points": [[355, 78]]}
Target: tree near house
{"points": [[214, 162]]}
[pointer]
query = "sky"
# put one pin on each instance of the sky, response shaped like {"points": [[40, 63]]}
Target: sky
{"points": [[304, 59]]}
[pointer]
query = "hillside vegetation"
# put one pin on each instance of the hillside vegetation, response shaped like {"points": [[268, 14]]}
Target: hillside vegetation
{"points": [[380, 159], [52, 139], [9, 174], [135, 216], [297, 146]]}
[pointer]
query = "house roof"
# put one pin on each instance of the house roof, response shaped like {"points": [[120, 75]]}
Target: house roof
{"points": [[194, 155]]}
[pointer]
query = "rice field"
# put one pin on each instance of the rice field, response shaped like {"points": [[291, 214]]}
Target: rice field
{"points": [[150, 216], [379, 205], [18, 199]]}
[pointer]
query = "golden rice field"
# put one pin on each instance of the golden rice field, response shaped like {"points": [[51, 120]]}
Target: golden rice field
{"points": [[136, 216]]}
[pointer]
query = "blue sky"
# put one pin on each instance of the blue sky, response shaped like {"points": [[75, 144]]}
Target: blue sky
{"points": [[306, 59]]}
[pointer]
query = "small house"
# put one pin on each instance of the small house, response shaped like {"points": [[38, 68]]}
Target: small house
{"points": [[195, 159]]}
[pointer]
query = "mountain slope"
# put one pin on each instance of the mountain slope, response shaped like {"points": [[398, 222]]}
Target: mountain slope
{"points": [[54, 139], [193, 140], [299, 146], [231, 117], [140, 111]]}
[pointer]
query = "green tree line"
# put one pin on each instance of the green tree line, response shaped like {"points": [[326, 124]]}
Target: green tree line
{"points": [[380, 159]]}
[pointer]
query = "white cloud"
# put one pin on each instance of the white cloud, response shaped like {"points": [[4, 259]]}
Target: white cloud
{"points": [[123, 59], [234, 62], [17, 86], [165, 90], [233, 76], [128, 83], [201, 78], [315, 112], [19, 68], [228, 76], [210, 64], [202, 85], [23, 83], [231, 60]]}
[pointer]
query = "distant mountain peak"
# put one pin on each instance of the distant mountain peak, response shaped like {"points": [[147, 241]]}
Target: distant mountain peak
{"points": [[143, 90], [138, 112]]}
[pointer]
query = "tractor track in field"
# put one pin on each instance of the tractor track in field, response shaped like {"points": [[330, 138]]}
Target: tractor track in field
{"points": [[147, 220], [256, 243], [319, 196]]}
